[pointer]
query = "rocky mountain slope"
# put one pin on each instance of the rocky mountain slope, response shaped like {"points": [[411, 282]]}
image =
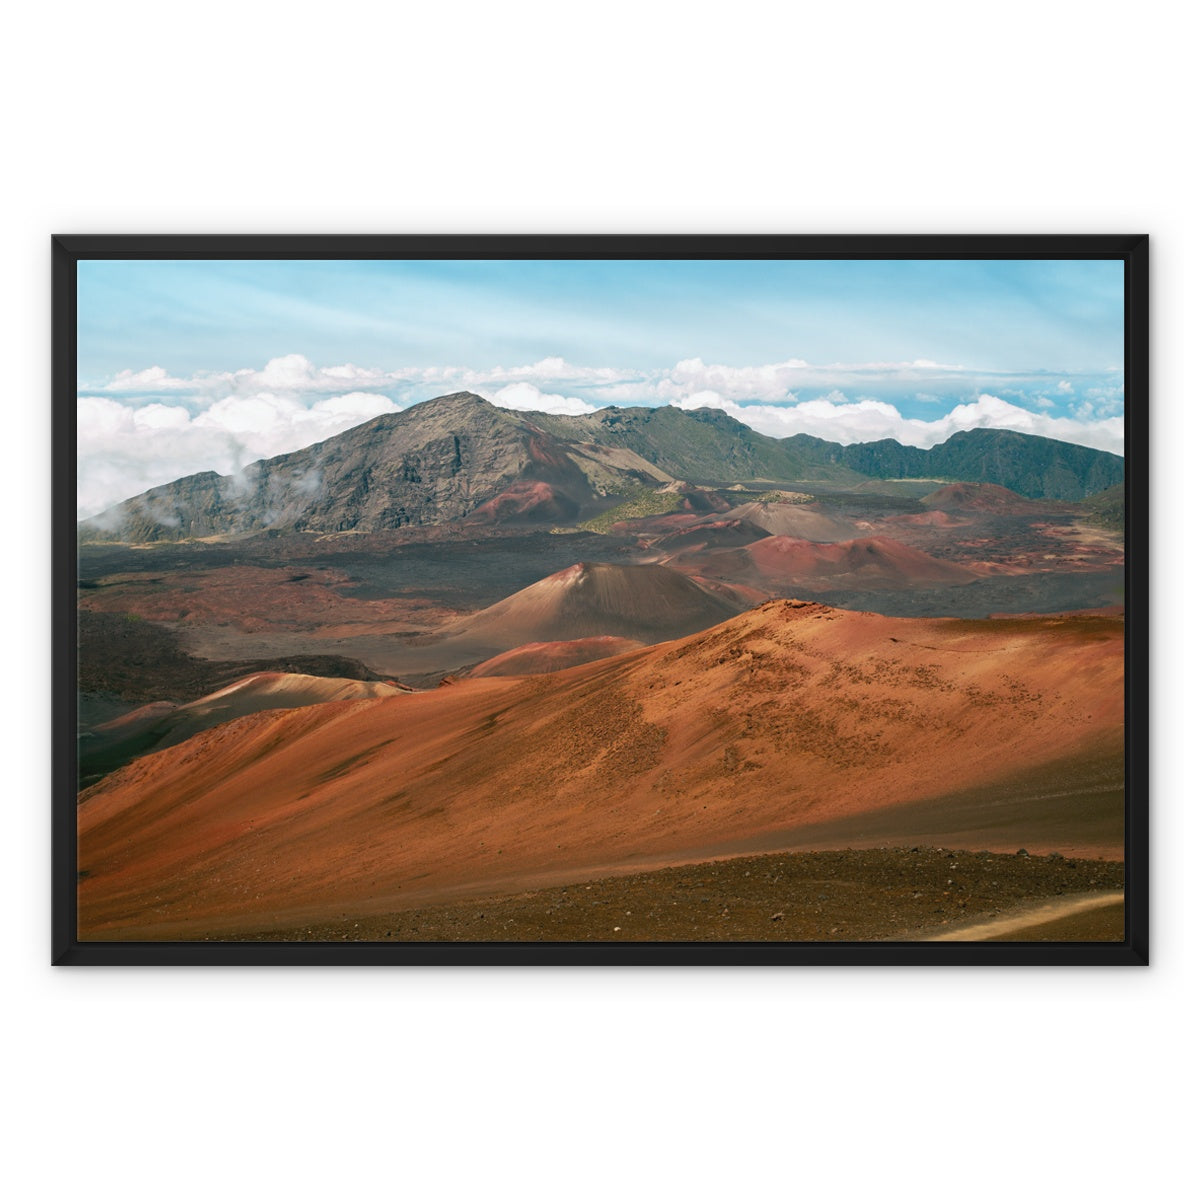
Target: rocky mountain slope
{"points": [[439, 461], [1031, 466], [458, 457]]}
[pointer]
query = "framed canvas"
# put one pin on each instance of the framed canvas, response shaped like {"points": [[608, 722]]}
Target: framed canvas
{"points": [[607, 600]]}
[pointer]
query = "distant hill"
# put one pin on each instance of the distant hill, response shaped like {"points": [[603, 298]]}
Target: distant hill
{"points": [[159, 724], [646, 603], [458, 457], [979, 498], [799, 566], [1107, 508], [701, 445], [1035, 467]]}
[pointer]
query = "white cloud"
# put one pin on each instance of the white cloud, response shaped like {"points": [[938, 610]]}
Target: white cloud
{"points": [[527, 398], [151, 379], [705, 400], [125, 450], [146, 427], [293, 373], [774, 381], [1101, 402], [873, 420]]}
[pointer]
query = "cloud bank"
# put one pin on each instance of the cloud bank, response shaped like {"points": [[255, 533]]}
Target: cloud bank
{"points": [[144, 427], [836, 419]]}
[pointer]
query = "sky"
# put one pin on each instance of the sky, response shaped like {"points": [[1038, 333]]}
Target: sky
{"points": [[210, 365]]}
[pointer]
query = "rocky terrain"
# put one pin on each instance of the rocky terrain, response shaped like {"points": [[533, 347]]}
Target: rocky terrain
{"points": [[459, 458], [459, 659], [903, 894]]}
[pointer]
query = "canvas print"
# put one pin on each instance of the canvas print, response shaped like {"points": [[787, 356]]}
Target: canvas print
{"points": [[585, 600]]}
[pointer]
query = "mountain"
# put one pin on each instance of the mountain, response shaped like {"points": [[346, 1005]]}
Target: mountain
{"points": [[647, 603], [1036, 467], [700, 445], [439, 461], [458, 457], [753, 734]]}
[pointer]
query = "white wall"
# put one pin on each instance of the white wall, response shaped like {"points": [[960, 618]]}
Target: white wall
{"points": [[876, 117]]}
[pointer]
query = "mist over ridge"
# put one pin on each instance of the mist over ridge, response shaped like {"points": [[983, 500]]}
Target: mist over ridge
{"points": [[446, 458]]}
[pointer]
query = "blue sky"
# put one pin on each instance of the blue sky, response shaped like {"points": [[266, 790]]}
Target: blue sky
{"points": [[994, 315], [206, 365]]}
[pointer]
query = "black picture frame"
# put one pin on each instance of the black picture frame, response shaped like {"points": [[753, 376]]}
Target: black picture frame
{"points": [[68, 250]]}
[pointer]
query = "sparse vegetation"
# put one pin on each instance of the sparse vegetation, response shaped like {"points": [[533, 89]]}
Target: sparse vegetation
{"points": [[642, 502], [1107, 508], [781, 497]]}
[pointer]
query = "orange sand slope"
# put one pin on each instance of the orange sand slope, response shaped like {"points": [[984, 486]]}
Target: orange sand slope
{"points": [[540, 658], [781, 720], [160, 724], [793, 520], [646, 603]]}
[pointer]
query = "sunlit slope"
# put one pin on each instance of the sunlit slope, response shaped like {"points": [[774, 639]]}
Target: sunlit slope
{"points": [[781, 719]]}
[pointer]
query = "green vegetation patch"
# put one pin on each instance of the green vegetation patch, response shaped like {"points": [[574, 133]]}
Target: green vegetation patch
{"points": [[1107, 508], [644, 502], [781, 497]]}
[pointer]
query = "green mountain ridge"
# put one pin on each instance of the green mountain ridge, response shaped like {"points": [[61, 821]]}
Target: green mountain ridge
{"points": [[459, 457]]}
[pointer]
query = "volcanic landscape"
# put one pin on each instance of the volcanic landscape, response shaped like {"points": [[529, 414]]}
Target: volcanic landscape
{"points": [[465, 674]]}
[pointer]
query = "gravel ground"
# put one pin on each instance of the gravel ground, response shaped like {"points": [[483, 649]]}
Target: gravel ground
{"points": [[851, 895]]}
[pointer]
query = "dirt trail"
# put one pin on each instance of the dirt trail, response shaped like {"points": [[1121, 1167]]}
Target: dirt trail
{"points": [[1053, 913]]}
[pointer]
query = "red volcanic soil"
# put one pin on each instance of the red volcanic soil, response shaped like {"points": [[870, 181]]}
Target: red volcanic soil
{"points": [[161, 724], [781, 721], [985, 498], [256, 600], [793, 520], [926, 520], [647, 603], [709, 535], [738, 594], [863, 563], [528, 500], [653, 527], [542, 658]]}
